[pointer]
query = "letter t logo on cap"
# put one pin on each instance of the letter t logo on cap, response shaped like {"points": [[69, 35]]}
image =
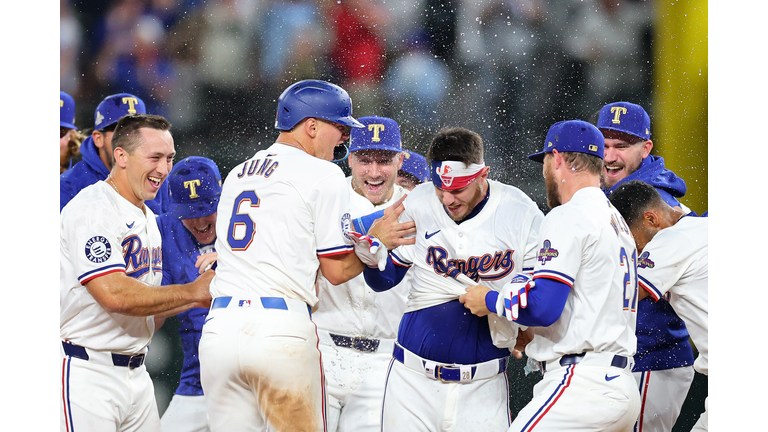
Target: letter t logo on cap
{"points": [[618, 112], [192, 186], [376, 128]]}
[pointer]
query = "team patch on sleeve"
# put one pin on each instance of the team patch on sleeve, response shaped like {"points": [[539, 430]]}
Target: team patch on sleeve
{"points": [[547, 252], [645, 261], [98, 249], [346, 225]]}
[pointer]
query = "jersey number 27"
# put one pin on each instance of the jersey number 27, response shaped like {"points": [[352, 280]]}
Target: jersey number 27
{"points": [[630, 279]]}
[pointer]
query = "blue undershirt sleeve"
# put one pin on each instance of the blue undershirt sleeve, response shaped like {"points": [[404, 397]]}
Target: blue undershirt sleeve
{"points": [[380, 281], [363, 223], [546, 302]]}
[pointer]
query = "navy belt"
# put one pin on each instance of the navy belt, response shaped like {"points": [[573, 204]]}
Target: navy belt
{"points": [[572, 359], [453, 373], [356, 343], [130, 361]]}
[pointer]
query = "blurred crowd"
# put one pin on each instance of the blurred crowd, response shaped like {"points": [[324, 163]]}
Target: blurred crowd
{"points": [[506, 69]]}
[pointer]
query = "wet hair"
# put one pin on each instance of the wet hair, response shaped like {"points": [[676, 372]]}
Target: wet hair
{"points": [[578, 161], [456, 144], [633, 198], [127, 135]]}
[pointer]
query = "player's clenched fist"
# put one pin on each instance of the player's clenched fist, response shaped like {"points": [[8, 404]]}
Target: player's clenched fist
{"points": [[474, 300]]}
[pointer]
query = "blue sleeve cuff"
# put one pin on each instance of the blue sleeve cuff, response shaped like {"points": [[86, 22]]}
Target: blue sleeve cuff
{"points": [[363, 223], [380, 281], [490, 300]]}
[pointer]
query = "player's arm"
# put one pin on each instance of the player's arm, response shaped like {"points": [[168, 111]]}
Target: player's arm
{"points": [[380, 281], [545, 302], [118, 293], [340, 268]]}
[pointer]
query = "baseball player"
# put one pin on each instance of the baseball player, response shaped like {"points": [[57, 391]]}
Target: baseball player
{"points": [[414, 171], [111, 269], [188, 230], [356, 326], [664, 360], [283, 214], [69, 137], [449, 370], [582, 308], [674, 261], [97, 150]]}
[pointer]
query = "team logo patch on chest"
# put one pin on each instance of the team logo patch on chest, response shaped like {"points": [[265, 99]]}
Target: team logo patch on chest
{"points": [[547, 252], [98, 249], [645, 261]]}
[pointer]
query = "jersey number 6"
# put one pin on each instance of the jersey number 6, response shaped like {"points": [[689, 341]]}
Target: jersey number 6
{"points": [[241, 221]]}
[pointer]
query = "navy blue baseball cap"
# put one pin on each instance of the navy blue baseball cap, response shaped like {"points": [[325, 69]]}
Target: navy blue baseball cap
{"points": [[625, 117], [66, 111], [115, 106], [415, 165], [195, 186], [377, 133], [572, 136]]}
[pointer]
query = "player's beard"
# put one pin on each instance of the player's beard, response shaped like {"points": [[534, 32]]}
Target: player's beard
{"points": [[553, 193]]}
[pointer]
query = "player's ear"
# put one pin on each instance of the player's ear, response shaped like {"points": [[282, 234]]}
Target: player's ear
{"points": [[311, 126], [651, 219], [647, 147], [98, 139], [120, 157], [400, 159]]}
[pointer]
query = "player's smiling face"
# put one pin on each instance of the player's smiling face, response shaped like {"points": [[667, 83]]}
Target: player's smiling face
{"points": [[150, 163], [202, 228], [374, 173], [623, 155]]}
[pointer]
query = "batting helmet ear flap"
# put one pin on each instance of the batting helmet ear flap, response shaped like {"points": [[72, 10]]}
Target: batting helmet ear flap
{"points": [[337, 157], [314, 98]]}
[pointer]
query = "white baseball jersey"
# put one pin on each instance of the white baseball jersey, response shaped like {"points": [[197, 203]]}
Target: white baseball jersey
{"points": [[353, 308], [101, 233], [277, 213], [675, 261], [586, 244], [491, 247]]}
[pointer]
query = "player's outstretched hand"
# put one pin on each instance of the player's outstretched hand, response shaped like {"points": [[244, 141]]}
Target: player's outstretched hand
{"points": [[390, 232], [474, 300], [205, 261]]}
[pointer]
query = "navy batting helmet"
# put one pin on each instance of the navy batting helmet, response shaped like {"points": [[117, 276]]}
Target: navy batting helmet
{"points": [[314, 98]]}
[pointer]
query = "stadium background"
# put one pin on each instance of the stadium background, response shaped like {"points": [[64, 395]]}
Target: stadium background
{"points": [[506, 69]]}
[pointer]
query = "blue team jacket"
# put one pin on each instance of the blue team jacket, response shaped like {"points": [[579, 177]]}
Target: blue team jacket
{"points": [[180, 251], [662, 338], [90, 170]]}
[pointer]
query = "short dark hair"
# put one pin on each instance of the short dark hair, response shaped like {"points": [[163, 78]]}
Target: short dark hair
{"points": [[456, 144], [633, 198], [127, 128]]}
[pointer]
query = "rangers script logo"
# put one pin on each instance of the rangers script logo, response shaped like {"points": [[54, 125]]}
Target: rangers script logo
{"points": [[98, 249]]}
